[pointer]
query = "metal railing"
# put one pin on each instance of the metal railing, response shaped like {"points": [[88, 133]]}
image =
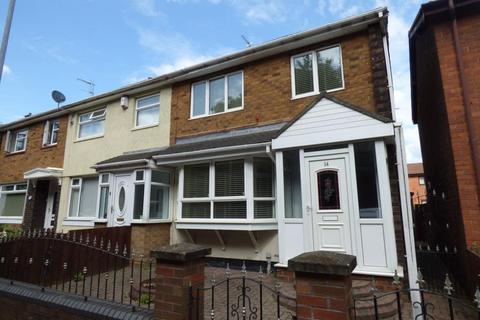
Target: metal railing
{"points": [[92, 268]]}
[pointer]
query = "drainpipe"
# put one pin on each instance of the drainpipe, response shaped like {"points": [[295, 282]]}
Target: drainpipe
{"points": [[466, 96]]}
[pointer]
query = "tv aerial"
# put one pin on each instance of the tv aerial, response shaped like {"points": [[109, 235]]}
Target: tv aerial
{"points": [[90, 84], [58, 97]]}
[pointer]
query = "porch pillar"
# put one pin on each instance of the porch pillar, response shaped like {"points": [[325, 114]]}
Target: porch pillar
{"points": [[179, 268], [323, 284]]}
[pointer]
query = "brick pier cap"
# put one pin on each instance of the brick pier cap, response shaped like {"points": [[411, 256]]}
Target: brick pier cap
{"points": [[181, 252], [323, 262]]}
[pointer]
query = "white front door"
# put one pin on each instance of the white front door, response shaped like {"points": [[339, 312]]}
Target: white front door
{"points": [[329, 202], [122, 204], [49, 221]]}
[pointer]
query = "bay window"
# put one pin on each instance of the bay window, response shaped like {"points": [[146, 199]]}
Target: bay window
{"points": [[228, 189], [317, 71], [217, 95], [12, 200], [151, 195]]}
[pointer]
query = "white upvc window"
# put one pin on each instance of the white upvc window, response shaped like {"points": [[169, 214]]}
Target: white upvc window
{"points": [[16, 141], [91, 124], [147, 111], [317, 71], [103, 196], [83, 197], [151, 195], [12, 200], [217, 95], [421, 180], [228, 190], [50, 132]]}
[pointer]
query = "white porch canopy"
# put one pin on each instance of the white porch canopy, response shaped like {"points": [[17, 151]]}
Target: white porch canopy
{"points": [[43, 173]]}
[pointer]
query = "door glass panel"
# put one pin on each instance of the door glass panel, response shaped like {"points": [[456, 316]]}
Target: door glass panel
{"points": [[121, 198], [328, 195], [367, 180]]}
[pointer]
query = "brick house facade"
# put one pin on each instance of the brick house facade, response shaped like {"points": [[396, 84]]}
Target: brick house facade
{"points": [[444, 50], [39, 165]]}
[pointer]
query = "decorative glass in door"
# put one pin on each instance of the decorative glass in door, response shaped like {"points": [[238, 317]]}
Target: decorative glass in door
{"points": [[328, 193]]}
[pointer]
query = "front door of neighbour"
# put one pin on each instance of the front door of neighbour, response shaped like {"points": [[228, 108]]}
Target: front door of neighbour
{"points": [[329, 202], [51, 206], [122, 204]]}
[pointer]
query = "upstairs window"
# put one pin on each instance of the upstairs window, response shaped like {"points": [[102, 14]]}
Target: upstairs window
{"points": [[50, 132], [217, 95], [16, 141], [317, 71], [148, 111], [91, 124]]}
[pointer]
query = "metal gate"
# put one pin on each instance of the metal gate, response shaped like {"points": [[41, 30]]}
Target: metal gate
{"points": [[241, 297]]}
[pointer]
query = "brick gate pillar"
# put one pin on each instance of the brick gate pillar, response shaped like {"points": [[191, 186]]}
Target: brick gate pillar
{"points": [[323, 284], [179, 266]]}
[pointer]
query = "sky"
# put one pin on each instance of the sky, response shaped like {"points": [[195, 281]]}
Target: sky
{"points": [[117, 42]]}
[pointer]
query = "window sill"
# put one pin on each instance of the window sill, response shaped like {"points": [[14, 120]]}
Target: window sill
{"points": [[48, 146], [15, 152], [231, 225], [11, 220], [151, 221], [79, 222], [146, 126], [306, 95], [88, 138], [216, 114]]}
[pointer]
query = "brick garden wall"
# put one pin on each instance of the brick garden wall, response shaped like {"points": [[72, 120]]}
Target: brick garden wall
{"points": [[147, 237], [13, 166]]}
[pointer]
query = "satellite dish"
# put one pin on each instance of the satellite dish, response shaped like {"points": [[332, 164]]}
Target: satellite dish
{"points": [[58, 97]]}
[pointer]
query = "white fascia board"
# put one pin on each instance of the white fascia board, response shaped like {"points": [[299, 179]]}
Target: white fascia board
{"points": [[337, 136]]}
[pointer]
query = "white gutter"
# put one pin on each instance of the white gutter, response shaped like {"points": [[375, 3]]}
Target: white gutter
{"points": [[407, 219], [209, 151], [119, 163]]}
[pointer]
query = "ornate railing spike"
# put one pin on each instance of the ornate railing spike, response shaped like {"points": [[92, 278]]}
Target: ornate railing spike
{"points": [[228, 272], [420, 280], [448, 285], [477, 298], [244, 269]]}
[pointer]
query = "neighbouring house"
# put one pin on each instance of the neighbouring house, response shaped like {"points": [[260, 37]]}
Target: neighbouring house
{"points": [[444, 50], [137, 194], [31, 163], [416, 182], [286, 147]]}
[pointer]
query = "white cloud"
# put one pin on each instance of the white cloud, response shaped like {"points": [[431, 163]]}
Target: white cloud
{"points": [[147, 8], [6, 70], [259, 11]]}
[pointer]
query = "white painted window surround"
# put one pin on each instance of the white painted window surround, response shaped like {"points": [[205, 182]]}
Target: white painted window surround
{"points": [[50, 132], [91, 124], [147, 111], [16, 141]]}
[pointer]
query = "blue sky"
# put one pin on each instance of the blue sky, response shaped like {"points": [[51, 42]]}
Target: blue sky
{"points": [[117, 42]]}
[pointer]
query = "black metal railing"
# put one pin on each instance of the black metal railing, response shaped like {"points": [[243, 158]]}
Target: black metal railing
{"points": [[241, 297], [416, 303], [92, 268]]}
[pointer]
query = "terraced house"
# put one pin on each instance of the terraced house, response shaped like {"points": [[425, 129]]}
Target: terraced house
{"points": [[281, 148], [31, 165]]}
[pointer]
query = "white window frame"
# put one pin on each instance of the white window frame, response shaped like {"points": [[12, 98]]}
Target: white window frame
{"points": [[12, 141], [147, 183], [100, 185], [150, 106], [421, 180], [316, 86], [248, 194], [16, 190], [50, 130], [92, 118], [207, 96], [76, 187]]}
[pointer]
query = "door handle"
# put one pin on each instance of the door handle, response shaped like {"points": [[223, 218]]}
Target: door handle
{"points": [[309, 208]]}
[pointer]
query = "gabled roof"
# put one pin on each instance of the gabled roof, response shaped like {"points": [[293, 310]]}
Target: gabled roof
{"points": [[324, 95], [283, 44]]}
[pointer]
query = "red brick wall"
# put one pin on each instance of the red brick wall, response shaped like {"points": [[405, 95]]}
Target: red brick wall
{"points": [[267, 90], [469, 32], [13, 166], [419, 190]]}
